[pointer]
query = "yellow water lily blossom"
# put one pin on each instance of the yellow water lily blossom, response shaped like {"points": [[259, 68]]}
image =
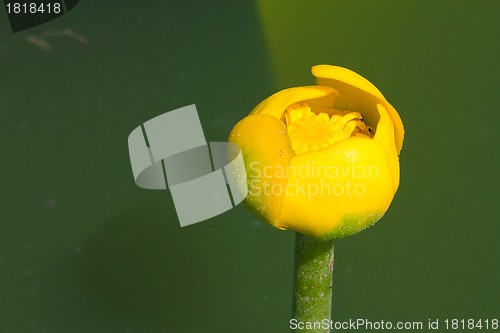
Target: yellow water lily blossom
{"points": [[322, 160]]}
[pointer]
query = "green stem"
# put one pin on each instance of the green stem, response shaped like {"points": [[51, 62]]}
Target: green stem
{"points": [[312, 288]]}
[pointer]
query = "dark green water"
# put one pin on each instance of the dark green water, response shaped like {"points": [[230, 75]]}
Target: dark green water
{"points": [[83, 249]]}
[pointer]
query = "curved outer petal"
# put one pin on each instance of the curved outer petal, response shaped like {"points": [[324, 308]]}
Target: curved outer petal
{"points": [[384, 134], [266, 149], [276, 104], [358, 94], [338, 191]]}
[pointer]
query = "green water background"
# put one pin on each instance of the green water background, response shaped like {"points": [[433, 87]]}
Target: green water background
{"points": [[83, 249]]}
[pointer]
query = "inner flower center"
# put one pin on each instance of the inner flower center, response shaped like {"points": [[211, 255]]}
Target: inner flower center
{"points": [[313, 131]]}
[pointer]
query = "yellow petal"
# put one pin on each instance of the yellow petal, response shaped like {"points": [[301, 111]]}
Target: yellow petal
{"points": [[358, 94], [276, 104], [347, 76], [266, 150], [384, 134], [338, 191]]}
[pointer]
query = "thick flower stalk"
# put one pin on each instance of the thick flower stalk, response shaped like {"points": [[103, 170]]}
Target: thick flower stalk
{"points": [[324, 161]]}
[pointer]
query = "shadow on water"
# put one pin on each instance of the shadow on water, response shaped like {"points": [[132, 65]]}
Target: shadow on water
{"points": [[141, 270]]}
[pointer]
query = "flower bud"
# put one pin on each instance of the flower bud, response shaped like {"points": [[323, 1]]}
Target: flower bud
{"points": [[322, 160]]}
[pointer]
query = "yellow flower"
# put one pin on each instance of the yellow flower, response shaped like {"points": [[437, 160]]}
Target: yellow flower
{"points": [[322, 160]]}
